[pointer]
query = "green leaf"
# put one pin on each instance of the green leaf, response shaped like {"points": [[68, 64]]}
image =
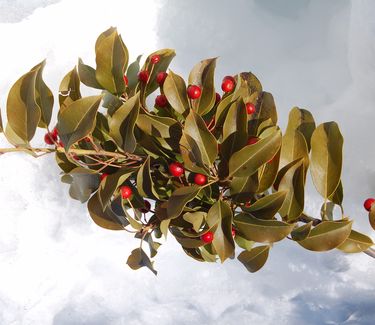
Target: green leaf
{"points": [[111, 61], [197, 142], [195, 218], [77, 120], [186, 242], [43, 96], [145, 184], [106, 219], [267, 173], [63, 162], [138, 259], [122, 123], [293, 182], [266, 109], [69, 90], [302, 232], [23, 111], [243, 243], [219, 219], [294, 146], [249, 159], [338, 196], [132, 73], [254, 259], [13, 138], [159, 127], [179, 198], [242, 189], [356, 243], [301, 120], [262, 231], [266, 207], [87, 75], [234, 130], [174, 88], [327, 235], [202, 75], [326, 158], [326, 211]]}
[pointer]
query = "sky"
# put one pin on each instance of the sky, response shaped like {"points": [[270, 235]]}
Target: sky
{"points": [[58, 267]]}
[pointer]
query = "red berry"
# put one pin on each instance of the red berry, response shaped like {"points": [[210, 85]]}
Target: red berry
{"points": [[208, 237], [233, 232], [161, 101], [143, 76], [176, 169], [368, 203], [155, 59], [87, 139], [228, 84], [126, 192], [75, 156], [194, 91], [252, 140], [218, 98], [200, 179], [103, 176], [160, 78], [126, 80], [248, 204], [147, 207], [61, 144], [55, 133], [48, 138], [250, 108]]}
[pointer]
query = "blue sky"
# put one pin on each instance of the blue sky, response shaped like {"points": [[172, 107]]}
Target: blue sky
{"points": [[57, 267]]}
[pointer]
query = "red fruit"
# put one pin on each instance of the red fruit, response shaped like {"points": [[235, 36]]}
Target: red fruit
{"points": [[368, 203], [160, 78], [55, 133], [194, 91], [87, 139], [161, 101], [126, 80], [233, 232], [248, 204], [155, 59], [146, 208], [200, 179], [126, 192], [228, 84], [48, 138], [176, 169], [208, 237], [250, 108], [143, 76], [103, 176], [61, 144], [252, 140], [218, 98]]}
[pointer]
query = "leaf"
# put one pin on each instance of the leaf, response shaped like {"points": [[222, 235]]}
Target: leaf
{"points": [[302, 120], [293, 182], [23, 111], [122, 123], [159, 127], [164, 226], [267, 173], [326, 211], [234, 130], [302, 232], [87, 75], [198, 141], [77, 120], [111, 61], [13, 138], [219, 219], [179, 198], [63, 162], [202, 75], [254, 259], [326, 158], [184, 241], [132, 73], [243, 188], [195, 218], [294, 146], [338, 196], [43, 96], [145, 184], [249, 159], [243, 243], [174, 88], [138, 259], [262, 231], [327, 235], [266, 109], [106, 219], [356, 243], [266, 207], [69, 90]]}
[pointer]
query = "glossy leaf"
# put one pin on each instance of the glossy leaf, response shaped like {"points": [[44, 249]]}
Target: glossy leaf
{"points": [[356, 243], [266, 207], [122, 123], [254, 259], [132, 73], [326, 158], [262, 231], [13, 138], [145, 184], [87, 75], [179, 198], [63, 162], [302, 120], [326, 211], [69, 90], [249, 159], [266, 109], [294, 146], [243, 188], [338, 196], [268, 172], [327, 235], [243, 243], [219, 219], [174, 88], [138, 258], [202, 75], [111, 61], [302, 232], [195, 218], [159, 127]]}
